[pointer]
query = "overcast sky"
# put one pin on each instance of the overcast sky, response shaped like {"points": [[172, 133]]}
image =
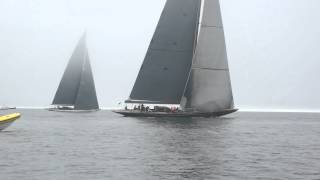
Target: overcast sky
{"points": [[273, 48]]}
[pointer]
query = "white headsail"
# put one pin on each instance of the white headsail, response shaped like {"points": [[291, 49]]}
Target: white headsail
{"points": [[209, 86]]}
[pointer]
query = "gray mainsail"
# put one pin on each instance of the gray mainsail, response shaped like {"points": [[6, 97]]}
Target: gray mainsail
{"points": [[209, 86], [77, 85], [164, 72]]}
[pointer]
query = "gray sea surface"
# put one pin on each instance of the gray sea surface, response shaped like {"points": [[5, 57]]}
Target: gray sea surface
{"points": [[103, 145]]}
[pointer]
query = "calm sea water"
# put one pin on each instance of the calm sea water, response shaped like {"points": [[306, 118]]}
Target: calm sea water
{"points": [[102, 145]]}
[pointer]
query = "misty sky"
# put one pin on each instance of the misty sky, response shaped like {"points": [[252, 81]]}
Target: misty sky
{"points": [[273, 48]]}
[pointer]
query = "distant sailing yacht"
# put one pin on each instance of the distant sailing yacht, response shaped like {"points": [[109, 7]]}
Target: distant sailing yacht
{"points": [[186, 64], [77, 91]]}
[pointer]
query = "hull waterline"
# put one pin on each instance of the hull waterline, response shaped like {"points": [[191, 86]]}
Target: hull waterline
{"points": [[72, 111], [132, 113]]}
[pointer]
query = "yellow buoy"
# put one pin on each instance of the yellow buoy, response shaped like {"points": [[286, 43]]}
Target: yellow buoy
{"points": [[6, 120]]}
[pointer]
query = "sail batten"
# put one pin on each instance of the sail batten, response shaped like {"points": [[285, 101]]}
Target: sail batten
{"points": [[210, 69], [211, 26], [171, 50]]}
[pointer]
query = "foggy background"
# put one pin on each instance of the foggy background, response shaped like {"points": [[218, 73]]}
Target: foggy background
{"points": [[273, 48]]}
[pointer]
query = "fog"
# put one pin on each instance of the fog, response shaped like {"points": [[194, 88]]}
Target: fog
{"points": [[272, 48]]}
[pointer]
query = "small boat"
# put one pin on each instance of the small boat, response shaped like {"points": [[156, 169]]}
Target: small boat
{"points": [[76, 92], [7, 120], [7, 108]]}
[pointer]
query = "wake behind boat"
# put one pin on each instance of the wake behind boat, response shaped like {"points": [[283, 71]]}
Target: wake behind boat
{"points": [[7, 120], [186, 64]]}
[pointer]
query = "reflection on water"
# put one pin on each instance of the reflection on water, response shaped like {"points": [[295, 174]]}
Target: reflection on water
{"points": [[103, 145]]}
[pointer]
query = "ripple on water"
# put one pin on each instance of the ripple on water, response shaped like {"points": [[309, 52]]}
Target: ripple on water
{"points": [[103, 145]]}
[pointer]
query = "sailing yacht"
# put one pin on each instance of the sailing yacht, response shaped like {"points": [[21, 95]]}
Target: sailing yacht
{"points": [[186, 64], [76, 92]]}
